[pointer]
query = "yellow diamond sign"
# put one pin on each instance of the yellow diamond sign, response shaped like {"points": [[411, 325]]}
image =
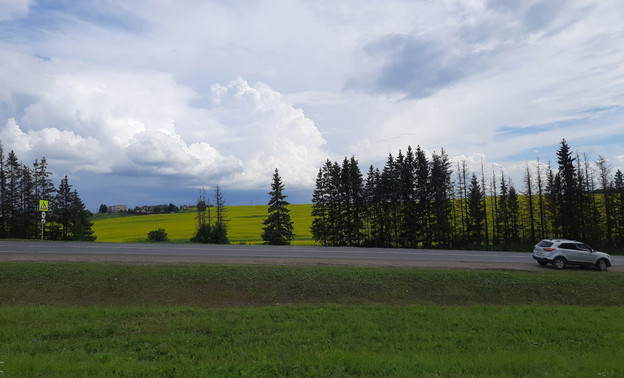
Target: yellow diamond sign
{"points": [[43, 205]]}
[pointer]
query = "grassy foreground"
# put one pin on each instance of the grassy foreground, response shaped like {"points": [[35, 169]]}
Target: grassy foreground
{"points": [[204, 320], [330, 340], [244, 225]]}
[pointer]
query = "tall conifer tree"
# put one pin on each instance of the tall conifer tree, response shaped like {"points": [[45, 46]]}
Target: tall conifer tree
{"points": [[442, 189], [278, 227], [569, 192], [475, 214], [320, 205]]}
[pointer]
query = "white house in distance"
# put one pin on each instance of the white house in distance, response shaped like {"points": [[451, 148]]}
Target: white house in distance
{"points": [[117, 208]]}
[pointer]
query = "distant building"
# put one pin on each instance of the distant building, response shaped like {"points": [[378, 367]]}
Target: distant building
{"points": [[154, 209], [117, 208]]}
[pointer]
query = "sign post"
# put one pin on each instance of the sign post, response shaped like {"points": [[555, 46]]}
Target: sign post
{"points": [[43, 207]]}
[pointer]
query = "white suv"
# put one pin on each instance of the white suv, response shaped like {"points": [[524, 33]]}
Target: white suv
{"points": [[562, 252]]}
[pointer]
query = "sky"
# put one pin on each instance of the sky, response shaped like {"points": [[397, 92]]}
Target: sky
{"points": [[145, 102]]}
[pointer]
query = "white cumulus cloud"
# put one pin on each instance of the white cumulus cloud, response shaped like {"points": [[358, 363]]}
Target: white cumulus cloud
{"points": [[268, 133], [144, 123]]}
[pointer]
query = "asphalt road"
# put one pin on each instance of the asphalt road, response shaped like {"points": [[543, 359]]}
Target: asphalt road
{"points": [[262, 254]]}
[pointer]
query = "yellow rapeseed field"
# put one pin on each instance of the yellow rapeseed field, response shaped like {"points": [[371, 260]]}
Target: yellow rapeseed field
{"points": [[244, 225]]}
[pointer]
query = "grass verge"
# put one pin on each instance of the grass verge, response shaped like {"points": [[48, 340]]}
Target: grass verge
{"points": [[63, 284]]}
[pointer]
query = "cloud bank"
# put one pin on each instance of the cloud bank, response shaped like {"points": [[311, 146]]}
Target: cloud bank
{"points": [[199, 94], [144, 124]]}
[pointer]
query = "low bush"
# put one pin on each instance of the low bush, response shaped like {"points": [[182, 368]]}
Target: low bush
{"points": [[157, 235]]}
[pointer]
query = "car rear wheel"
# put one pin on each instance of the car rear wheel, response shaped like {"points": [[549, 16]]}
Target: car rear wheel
{"points": [[559, 263], [602, 265]]}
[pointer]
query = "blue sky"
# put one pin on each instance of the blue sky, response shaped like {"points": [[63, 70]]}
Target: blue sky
{"points": [[144, 102]]}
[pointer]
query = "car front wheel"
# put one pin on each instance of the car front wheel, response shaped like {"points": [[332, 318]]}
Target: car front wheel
{"points": [[602, 265], [559, 263]]}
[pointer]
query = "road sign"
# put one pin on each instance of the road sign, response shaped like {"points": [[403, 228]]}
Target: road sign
{"points": [[43, 205]]}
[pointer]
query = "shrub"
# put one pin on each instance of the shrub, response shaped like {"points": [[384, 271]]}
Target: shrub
{"points": [[216, 234], [157, 235], [203, 235]]}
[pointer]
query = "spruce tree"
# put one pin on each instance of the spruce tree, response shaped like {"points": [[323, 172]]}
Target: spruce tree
{"points": [[409, 221], [62, 208], [442, 189], [71, 220], [503, 218], [320, 206], [570, 193], [44, 187], [29, 215], [335, 224], [372, 206], [553, 202], [351, 190], [278, 228], [618, 208], [12, 196], [422, 193], [81, 220], [390, 197], [484, 189], [513, 207], [475, 214], [461, 200]]}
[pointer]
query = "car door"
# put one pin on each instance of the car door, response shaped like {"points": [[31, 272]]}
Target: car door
{"points": [[584, 253], [570, 252]]}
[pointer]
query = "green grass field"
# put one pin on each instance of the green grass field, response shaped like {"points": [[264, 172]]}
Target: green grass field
{"points": [[331, 340], [244, 225], [220, 320]]}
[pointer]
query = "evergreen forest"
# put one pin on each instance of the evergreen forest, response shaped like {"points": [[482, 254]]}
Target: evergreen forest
{"points": [[21, 189], [420, 201]]}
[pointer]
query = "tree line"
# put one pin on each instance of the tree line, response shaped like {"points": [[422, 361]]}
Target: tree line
{"points": [[424, 201], [21, 189]]}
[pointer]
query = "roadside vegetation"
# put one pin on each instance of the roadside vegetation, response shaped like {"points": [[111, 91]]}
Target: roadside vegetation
{"points": [[220, 320]]}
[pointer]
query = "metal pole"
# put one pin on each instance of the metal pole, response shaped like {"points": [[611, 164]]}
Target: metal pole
{"points": [[42, 223]]}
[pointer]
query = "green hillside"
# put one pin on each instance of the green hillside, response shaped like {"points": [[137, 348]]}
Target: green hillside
{"points": [[244, 225]]}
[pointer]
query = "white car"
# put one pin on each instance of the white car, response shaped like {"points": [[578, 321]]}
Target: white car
{"points": [[562, 252]]}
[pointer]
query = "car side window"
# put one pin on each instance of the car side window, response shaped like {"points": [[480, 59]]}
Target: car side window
{"points": [[567, 246], [583, 247]]}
